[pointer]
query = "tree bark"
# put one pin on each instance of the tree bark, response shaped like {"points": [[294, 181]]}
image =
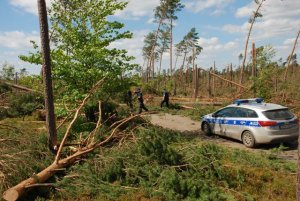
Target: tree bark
{"points": [[209, 83], [290, 57], [247, 41], [298, 172], [218, 76], [171, 48], [214, 81], [253, 67], [49, 102]]}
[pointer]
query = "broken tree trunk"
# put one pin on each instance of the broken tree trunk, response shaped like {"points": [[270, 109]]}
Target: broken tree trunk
{"points": [[290, 57], [17, 191], [218, 76], [21, 87], [253, 68], [255, 15]]}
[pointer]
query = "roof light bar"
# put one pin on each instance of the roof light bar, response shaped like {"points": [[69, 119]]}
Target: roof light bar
{"points": [[252, 100]]}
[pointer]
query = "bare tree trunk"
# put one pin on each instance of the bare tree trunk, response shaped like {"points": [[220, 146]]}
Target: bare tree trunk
{"points": [[153, 62], [194, 77], [276, 79], [247, 41], [171, 48], [174, 77], [231, 74], [218, 76], [196, 82], [161, 55], [214, 81], [290, 57], [209, 83], [49, 102], [298, 172], [253, 67]]}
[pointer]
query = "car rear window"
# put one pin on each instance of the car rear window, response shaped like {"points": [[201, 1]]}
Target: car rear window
{"points": [[282, 114]]}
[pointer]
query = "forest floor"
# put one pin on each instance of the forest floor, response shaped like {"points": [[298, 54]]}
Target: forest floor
{"points": [[192, 127]]}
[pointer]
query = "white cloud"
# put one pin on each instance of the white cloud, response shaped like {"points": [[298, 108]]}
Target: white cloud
{"points": [[289, 41], [280, 18], [200, 5], [17, 40], [11, 57], [29, 6], [213, 45], [137, 9], [133, 46]]}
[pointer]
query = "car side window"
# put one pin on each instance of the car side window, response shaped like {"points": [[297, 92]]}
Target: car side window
{"points": [[226, 112], [245, 113]]}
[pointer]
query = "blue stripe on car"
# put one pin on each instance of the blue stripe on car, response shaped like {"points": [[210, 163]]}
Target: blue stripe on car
{"points": [[233, 122]]}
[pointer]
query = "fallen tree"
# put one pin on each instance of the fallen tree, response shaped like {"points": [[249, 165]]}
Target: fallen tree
{"points": [[82, 150]]}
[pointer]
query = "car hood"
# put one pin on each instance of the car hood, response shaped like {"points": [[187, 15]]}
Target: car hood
{"points": [[207, 116]]}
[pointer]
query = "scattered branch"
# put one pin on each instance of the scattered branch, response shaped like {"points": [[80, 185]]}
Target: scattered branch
{"points": [[75, 117]]}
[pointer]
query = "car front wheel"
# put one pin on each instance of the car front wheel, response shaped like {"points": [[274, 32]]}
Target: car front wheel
{"points": [[206, 128], [248, 139]]}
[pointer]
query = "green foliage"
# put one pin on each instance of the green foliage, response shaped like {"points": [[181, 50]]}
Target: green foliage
{"points": [[4, 88], [31, 81], [264, 82], [21, 104], [158, 165], [83, 52], [197, 112], [108, 109], [23, 153]]}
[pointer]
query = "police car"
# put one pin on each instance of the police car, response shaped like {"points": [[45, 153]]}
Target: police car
{"points": [[253, 122]]}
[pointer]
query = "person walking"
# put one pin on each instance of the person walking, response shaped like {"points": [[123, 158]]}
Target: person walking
{"points": [[140, 100], [165, 99]]}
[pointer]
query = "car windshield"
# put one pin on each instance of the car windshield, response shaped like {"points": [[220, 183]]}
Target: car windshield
{"points": [[281, 114]]}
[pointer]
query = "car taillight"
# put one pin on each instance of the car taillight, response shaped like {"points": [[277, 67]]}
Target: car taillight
{"points": [[297, 121], [267, 123]]}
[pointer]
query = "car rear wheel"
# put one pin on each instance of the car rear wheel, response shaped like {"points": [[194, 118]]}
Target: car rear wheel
{"points": [[206, 128], [248, 139]]}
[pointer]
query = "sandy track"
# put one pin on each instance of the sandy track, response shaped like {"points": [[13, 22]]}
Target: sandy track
{"points": [[185, 124]]}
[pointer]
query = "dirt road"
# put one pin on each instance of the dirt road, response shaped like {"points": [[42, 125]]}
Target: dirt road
{"points": [[185, 124]]}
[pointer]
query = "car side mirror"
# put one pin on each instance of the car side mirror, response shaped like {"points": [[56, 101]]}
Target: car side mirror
{"points": [[214, 115]]}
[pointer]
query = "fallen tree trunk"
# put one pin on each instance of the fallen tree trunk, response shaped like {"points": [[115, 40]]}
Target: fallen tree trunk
{"points": [[17, 191], [21, 87], [226, 80]]}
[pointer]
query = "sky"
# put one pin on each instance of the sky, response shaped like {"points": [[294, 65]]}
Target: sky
{"points": [[222, 26]]}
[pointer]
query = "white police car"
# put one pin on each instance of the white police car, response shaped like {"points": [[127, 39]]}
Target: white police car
{"points": [[253, 122]]}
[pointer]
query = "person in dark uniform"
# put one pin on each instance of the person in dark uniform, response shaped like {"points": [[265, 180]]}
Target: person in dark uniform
{"points": [[165, 98], [140, 100], [129, 99]]}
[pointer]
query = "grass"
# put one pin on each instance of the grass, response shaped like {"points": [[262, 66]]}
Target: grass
{"points": [[152, 164]]}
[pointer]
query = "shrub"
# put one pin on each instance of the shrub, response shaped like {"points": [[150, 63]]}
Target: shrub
{"points": [[4, 88], [22, 104]]}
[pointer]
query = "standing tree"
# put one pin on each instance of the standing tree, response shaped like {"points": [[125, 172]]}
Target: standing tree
{"points": [[149, 43], [82, 52], [159, 16], [163, 44], [190, 41], [174, 6], [252, 20], [47, 76]]}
